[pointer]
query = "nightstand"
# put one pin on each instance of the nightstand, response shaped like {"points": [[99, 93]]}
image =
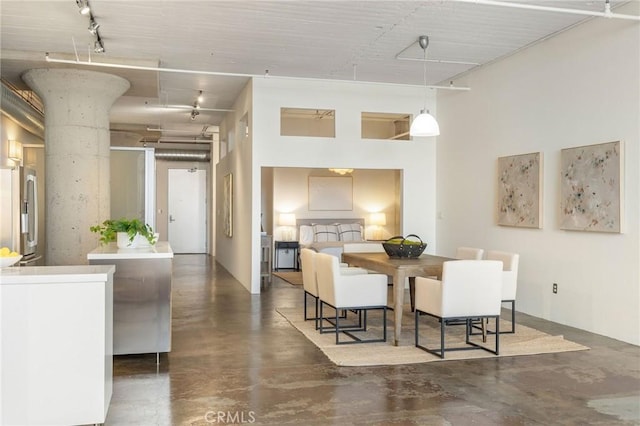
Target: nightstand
{"points": [[265, 257], [284, 247]]}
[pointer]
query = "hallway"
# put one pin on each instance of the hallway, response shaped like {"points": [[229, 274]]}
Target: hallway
{"points": [[235, 360]]}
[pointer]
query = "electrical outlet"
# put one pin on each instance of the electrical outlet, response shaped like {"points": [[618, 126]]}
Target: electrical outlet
{"points": [[555, 288]]}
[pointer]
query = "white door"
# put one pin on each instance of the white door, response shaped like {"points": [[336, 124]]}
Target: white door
{"points": [[187, 202]]}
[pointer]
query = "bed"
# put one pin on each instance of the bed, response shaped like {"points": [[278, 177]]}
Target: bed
{"points": [[330, 235]]}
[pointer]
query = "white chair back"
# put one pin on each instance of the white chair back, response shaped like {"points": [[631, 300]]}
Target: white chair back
{"points": [[468, 288], [327, 271], [348, 290], [469, 253], [309, 278], [362, 248], [510, 263]]}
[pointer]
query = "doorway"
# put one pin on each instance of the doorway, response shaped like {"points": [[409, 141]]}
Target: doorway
{"points": [[187, 206]]}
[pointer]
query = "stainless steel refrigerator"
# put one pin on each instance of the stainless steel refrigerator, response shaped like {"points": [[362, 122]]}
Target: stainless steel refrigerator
{"points": [[19, 212]]}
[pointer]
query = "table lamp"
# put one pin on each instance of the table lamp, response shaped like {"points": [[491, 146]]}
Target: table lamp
{"points": [[288, 223], [378, 220]]}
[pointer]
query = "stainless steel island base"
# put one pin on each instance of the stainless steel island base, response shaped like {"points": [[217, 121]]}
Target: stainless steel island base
{"points": [[141, 297]]}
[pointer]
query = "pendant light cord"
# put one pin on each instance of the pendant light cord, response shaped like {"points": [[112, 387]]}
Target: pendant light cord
{"points": [[424, 67]]}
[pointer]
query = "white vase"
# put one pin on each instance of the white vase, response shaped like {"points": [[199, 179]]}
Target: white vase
{"points": [[122, 240]]}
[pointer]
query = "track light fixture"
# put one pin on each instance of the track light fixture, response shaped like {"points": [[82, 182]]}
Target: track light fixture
{"points": [[196, 105], [83, 7], [93, 26], [98, 47]]}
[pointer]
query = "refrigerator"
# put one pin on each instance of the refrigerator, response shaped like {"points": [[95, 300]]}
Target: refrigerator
{"points": [[19, 212]]}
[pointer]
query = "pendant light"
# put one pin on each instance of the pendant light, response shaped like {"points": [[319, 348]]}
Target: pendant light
{"points": [[424, 124]]}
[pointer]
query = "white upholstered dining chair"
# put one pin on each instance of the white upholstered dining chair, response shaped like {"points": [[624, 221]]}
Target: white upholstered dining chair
{"points": [[361, 292], [469, 290], [510, 263], [310, 280], [469, 253], [362, 248]]}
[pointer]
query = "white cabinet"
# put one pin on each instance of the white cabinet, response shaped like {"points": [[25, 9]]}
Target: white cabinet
{"points": [[56, 353]]}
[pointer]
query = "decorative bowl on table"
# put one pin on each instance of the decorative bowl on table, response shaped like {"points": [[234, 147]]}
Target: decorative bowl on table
{"points": [[9, 260], [399, 247]]}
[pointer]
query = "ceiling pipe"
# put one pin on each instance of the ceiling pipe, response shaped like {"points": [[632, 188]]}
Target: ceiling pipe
{"points": [[606, 14], [182, 155], [223, 74], [19, 110], [184, 140]]}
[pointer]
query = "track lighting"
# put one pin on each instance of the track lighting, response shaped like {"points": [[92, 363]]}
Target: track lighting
{"points": [[83, 7], [93, 27], [196, 106], [98, 47]]}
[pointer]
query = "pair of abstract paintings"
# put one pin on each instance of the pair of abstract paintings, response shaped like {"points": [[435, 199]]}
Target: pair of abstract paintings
{"points": [[591, 191]]}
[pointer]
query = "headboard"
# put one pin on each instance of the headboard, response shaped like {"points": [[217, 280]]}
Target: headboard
{"points": [[299, 222]]}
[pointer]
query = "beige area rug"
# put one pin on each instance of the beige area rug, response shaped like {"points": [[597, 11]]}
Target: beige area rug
{"points": [[526, 341], [292, 277]]}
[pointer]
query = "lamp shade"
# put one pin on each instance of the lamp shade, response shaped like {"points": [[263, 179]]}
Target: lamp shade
{"points": [[15, 150], [287, 219], [378, 219], [424, 125]]}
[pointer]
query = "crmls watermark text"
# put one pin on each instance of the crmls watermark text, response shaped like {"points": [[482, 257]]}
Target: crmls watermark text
{"points": [[230, 417]]}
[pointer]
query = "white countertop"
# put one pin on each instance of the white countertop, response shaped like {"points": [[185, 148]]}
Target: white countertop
{"points": [[110, 251], [54, 274]]}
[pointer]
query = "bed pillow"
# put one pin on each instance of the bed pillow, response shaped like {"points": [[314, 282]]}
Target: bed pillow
{"points": [[306, 234], [323, 233], [350, 232]]}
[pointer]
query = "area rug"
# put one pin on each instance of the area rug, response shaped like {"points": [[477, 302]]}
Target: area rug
{"points": [[292, 277], [526, 341]]}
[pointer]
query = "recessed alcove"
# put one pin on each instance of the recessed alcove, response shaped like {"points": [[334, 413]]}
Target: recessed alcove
{"points": [[308, 122], [385, 125]]}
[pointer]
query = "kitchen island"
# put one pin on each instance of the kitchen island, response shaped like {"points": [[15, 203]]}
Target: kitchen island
{"points": [[55, 344], [141, 296]]}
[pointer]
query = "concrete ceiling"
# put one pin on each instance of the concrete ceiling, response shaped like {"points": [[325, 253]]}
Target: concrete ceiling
{"points": [[346, 40]]}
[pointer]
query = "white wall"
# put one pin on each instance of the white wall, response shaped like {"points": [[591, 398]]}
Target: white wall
{"points": [[234, 253], [416, 159], [578, 88]]}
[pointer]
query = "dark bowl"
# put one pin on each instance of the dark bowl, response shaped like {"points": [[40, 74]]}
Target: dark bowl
{"points": [[401, 247]]}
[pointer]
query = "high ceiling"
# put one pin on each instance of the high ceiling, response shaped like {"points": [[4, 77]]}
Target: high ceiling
{"points": [[348, 40]]}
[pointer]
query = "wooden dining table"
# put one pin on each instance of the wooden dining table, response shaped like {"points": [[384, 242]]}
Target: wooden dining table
{"points": [[399, 268]]}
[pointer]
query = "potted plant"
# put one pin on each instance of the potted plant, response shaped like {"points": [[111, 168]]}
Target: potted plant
{"points": [[125, 232]]}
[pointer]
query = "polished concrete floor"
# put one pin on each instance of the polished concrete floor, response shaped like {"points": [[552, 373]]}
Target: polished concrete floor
{"points": [[235, 360]]}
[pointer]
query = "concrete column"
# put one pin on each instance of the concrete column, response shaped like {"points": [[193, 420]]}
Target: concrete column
{"points": [[76, 112]]}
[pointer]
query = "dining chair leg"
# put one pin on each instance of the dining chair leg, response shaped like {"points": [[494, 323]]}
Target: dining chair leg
{"points": [[412, 292]]}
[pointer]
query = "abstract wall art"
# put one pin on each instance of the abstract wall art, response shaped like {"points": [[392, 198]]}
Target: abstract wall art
{"points": [[520, 190], [591, 188]]}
